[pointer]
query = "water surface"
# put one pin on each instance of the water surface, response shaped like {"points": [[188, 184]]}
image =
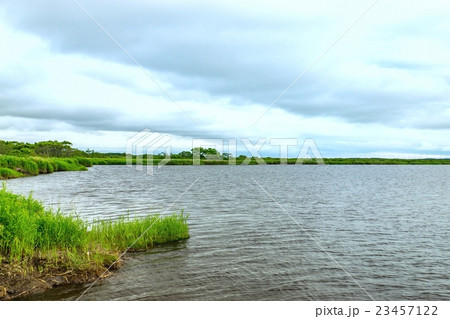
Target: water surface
{"points": [[387, 226]]}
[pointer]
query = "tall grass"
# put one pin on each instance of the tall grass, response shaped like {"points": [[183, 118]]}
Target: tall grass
{"points": [[6, 173], [30, 235], [141, 233], [38, 165]]}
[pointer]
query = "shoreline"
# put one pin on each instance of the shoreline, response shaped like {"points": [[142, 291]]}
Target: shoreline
{"points": [[15, 167], [15, 282], [41, 249]]}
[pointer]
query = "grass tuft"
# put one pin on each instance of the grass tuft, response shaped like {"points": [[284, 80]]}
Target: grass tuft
{"points": [[31, 236], [6, 173], [122, 233]]}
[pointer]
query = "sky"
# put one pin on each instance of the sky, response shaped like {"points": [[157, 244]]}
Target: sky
{"points": [[372, 79]]}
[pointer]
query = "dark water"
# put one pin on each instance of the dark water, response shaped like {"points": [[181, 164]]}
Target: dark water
{"points": [[387, 226]]}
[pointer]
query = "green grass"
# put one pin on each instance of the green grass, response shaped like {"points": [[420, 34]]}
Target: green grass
{"points": [[6, 173], [110, 161], [276, 161], [15, 166], [31, 236], [122, 233]]}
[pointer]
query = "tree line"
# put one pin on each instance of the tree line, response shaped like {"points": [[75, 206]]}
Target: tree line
{"points": [[43, 149], [66, 149]]}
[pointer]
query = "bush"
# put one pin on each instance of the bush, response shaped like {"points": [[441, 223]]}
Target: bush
{"points": [[86, 162]]}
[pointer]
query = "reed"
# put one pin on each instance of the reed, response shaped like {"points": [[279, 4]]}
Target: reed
{"points": [[142, 233], [32, 236], [6, 173], [15, 166]]}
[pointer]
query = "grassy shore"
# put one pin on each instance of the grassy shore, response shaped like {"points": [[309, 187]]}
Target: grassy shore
{"points": [[39, 244], [16, 166], [276, 161]]}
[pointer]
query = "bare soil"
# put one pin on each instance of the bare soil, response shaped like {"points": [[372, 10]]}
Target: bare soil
{"points": [[17, 282]]}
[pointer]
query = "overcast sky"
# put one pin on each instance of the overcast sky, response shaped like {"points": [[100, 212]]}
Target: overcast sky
{"points": [[383, 89]]}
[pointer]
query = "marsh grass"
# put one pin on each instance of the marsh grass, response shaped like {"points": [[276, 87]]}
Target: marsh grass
{"points": [[112, 161], [15, 166], [122, 233], [32, 236], [6, 173], [270, 161]]}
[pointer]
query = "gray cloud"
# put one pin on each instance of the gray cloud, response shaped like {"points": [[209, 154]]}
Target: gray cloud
{"points": [[249, 56], [199, 46], [88, 118]]}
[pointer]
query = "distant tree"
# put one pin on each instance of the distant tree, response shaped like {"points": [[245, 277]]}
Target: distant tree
{"points": [[44, 149], [241, 158], [206, 153], [5, 148], [54, 149], [25, 151], [185, 154], [210, 151]]}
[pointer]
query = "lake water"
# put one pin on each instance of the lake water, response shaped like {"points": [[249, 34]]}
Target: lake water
{"points": [[388, 227]]}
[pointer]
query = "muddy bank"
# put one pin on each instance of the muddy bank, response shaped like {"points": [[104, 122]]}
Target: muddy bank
{"points": [[16, 282]]}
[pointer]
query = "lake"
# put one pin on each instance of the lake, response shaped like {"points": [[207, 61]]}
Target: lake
{"points": [[269, 232]]}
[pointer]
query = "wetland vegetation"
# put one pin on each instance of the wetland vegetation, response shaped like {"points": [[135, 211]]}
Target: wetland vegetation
{"points": [[40, 248], [19, 159]]}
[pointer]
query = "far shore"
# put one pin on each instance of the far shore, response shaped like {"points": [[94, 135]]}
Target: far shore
{"points": [[21, 166]]}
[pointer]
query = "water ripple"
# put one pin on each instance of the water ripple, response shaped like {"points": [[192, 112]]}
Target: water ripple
{"points": [[388, 226]]}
